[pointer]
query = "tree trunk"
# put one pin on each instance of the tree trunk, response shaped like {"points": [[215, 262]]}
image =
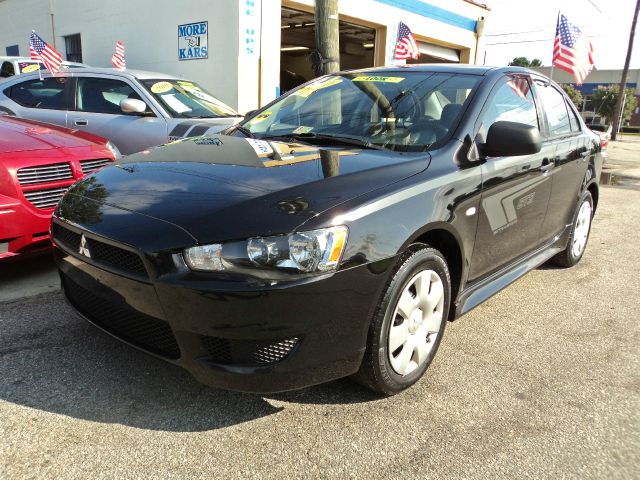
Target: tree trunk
{"points": [[617, 114], [327, 34]]}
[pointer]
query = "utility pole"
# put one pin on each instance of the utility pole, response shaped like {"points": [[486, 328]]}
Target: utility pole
{"points": [[328, 35], [618, 112]]}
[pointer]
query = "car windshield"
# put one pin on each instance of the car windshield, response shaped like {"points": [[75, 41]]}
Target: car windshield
{"points": [[404, 111], [184, 99]]}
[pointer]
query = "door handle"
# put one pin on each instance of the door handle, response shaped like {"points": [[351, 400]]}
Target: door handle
{"points": [[80, 122], [546, 166]]}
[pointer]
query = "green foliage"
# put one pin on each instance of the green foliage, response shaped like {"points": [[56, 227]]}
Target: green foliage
{"points": [[573, 93], [604, 101], [524, 62]]}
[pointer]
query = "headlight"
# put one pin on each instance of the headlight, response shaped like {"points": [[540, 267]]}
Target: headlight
{"points": [[314, 251], [114, 150]]}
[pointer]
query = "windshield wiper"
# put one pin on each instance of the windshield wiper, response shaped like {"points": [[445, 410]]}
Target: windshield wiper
{"points": [[356, 142], [245, 130]]}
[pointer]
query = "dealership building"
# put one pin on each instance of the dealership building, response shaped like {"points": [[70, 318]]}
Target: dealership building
{"points": [[246, 52]]}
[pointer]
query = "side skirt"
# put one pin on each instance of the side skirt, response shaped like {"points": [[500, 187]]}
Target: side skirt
{"points": [[476, 293]]}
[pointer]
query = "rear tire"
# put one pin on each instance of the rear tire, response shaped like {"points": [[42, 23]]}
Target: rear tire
{"points": [[409, 322], [579, 235]]}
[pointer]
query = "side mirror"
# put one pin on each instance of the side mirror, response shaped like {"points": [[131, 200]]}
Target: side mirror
{"points": [[132, 105], [506, 139]]}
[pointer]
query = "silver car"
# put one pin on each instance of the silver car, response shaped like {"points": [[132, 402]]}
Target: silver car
{"points": [[133, 109]]}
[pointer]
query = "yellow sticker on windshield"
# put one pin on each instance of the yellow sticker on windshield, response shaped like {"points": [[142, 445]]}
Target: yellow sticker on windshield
{"points": [[31, 68], [377, 78], [186, 84], [315, 86], [261, 118], [161, 87]]}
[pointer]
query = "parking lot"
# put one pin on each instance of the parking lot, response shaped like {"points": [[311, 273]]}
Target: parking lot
{"points": [[540, 381]]}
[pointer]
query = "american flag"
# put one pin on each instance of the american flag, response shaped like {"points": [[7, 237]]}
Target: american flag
{"points": [[41, 50], [406, 46], [118, 58], [520, 85], [572, 51]]}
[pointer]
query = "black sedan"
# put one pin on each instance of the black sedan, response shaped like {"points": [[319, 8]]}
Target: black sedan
{"points": [[336, 230]]}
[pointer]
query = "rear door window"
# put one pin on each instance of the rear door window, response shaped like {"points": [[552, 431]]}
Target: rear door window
{"points": [[555, 109], [48, 93]]}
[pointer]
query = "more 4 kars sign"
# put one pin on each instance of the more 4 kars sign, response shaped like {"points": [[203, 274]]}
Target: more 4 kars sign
{"points": [[192, 41]]}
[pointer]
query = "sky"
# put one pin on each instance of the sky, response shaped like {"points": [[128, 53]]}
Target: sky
{"points": [[525, 28]]}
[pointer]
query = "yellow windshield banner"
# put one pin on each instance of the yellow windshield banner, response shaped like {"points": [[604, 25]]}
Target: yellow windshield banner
{"points": [[31, 68], [377, 78], [161, 87], [314, 87]]}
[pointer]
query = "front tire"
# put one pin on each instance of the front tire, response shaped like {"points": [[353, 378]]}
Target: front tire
{"points": [[579, 235], [409, 322]]}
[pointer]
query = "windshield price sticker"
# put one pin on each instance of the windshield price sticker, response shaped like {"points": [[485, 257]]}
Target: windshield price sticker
{"points": [[376, 78], [260, 118], [302, 129], [31, 68], [261, 147], [309, 89], [161, 87]]}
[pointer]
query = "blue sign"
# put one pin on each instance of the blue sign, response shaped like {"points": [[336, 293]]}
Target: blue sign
{"points": [[193, 39]]}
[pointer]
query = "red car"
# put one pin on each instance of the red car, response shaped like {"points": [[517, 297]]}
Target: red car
{"points": [[38, 162]]}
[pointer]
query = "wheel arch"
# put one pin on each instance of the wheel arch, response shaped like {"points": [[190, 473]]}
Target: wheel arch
{"points": [[594, 190], [444, 239]]}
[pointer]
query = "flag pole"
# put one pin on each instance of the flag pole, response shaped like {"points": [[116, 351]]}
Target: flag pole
{"points": [[554, 42]]}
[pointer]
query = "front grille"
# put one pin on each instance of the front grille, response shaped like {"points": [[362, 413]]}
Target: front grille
{"points": [[116, 258], [45, 198], [89, 166], [142, 330], [101, 253], [65, 237], [44, 174], [225, 351]]}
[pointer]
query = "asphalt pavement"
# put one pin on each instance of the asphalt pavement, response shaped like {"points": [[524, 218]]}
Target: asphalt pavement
{"points": [[541, 381]]}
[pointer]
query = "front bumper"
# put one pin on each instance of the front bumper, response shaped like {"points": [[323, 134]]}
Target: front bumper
{"points": [[22, 230], [264, 339]]}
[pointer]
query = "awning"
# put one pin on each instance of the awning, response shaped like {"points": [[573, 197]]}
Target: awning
{"points": [[437, 51]]}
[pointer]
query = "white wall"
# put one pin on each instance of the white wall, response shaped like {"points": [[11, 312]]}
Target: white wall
{"points": [[148, 29]]}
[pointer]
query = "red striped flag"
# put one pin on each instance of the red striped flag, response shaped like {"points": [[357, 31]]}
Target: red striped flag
{"points": [[406, 46], [520, 86], [42, 51], [572, 51], [118, 58]]}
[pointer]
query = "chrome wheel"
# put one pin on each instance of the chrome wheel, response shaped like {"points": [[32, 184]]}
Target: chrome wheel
{"points": [[416, 322], [581, 229]]}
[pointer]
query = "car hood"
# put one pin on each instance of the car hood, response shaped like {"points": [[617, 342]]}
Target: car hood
{"points": [[223, 187], [181, 128], [18, 135]]}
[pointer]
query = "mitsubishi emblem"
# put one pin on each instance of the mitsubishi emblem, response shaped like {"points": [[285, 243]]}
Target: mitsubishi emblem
{"points": [[84, 249]]}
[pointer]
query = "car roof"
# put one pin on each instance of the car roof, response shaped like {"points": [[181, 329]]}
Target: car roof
{"points": [[446, 68], [128, 73]]}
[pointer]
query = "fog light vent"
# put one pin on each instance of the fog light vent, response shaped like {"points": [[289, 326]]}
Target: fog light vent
{"points": [[226, 351]]}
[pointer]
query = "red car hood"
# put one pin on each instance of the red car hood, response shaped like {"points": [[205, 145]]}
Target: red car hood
{"points": [[18, 135]]}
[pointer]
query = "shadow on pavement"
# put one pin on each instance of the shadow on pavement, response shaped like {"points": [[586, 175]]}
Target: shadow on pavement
{"points": [[52, 360]]}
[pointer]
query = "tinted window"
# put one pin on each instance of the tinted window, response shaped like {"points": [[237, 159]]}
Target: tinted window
{"points": [[46, 93], [511, 102], [102, 95], [573, 118], [555, 109], [7, 70]]}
